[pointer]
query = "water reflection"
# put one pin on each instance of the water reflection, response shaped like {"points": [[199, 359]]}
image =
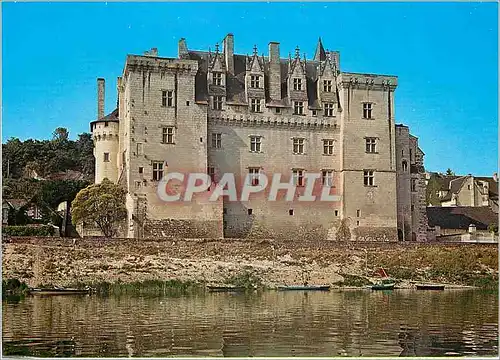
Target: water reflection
{"points": [[353, 323]]}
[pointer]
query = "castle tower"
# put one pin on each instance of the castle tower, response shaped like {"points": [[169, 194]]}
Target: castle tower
{"points": [[105, 132]]}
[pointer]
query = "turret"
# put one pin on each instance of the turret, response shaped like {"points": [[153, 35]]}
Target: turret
{"points": [[105, 132]]}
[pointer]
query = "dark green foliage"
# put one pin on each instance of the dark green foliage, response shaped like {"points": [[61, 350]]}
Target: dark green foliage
{"points": [[13, 288], [245, 279], [353, 280], [44, 230], [48, 156], [431, 193]]}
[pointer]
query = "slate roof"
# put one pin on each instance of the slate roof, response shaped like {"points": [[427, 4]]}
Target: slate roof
{"points": [[460, 217], [452, 184]]}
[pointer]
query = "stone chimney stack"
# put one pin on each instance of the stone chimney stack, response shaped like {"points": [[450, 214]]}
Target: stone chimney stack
{"points": [[229, 52], [274, 72], [182, 49], [100, 98]]}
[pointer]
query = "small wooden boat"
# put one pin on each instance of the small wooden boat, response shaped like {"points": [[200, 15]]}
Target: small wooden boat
{"points": [[382, 286], [59, 291], [304, 288], [228, 288], [429, 287]]}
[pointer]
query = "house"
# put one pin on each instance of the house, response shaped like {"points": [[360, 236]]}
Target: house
{"points": [[13, 210]]}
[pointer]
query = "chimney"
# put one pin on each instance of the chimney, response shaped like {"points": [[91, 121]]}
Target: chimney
{"points": [[100, 98], [274, 72], [495, 177], [182, 49], [229, 52]]}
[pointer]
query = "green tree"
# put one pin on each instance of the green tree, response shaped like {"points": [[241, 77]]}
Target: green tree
{"points": [[101, 204], [449, 172], [431, 191], [343, 232], [60, 134]]}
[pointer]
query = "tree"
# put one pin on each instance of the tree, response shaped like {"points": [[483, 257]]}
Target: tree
{"points": [[449, 172], [431, 191], [60, 134], [102, 204], [343, 232]]}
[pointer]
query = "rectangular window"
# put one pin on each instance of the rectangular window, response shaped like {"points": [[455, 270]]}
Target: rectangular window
{"points": [[168, 135], [369, 178], [255, 105], [255, 81], [157, 170], [106, 157], [327, 178], [255, 142], [216, 140], [314, 112], [298, 177], [358, 213], [138, 184], [211, 173], [298, 146], [105, 124], [327, 85], [278, 111], [253, 176], [328, 109], [298, 108], [141, 169], [167, 98], [328, 147], [413, 185], [217, 102], [217, 76], [297, 84], [140, 149], [371, 145], [367, 110]]}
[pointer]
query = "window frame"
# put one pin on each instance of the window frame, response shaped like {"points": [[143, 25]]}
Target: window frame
{"points": [[369, 177], [255, 143], [328, 144], [216, 140], [298, 146], [158, 169], [167, 133]]}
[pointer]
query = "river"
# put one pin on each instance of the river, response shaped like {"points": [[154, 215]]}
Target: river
{"points": [[270, 323]]}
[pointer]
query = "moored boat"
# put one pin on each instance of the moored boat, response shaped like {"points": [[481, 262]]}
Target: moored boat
{"points": [[305, 288], [382, 286], [429, 287], [58, 291], [227, 288]]}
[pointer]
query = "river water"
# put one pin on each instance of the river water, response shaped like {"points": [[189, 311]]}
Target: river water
{"points": [[271, 323]]}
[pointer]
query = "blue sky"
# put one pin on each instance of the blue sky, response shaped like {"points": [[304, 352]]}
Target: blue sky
{"points": [[445, 55]]}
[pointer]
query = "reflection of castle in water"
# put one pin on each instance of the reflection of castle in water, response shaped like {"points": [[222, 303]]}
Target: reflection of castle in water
{"points": [[353, 323]]}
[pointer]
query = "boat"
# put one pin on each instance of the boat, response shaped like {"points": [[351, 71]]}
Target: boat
{"points": [[429, 287], [59, 291], [227, 288], [305, 288], [382, 286]]}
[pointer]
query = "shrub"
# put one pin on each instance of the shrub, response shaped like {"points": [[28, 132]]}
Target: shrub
{"points": [[44, 230]]}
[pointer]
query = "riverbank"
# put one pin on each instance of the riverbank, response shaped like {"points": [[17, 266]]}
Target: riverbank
{"points": [[265, 263]]}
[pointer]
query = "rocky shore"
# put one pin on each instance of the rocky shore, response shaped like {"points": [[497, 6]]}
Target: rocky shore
{"points": [[65, 262]]}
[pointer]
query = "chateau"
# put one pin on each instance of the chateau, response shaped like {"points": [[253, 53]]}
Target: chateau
{"points": [[219, 112]]}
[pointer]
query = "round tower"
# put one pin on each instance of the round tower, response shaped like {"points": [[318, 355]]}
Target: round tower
{"points": [[105, 133]]}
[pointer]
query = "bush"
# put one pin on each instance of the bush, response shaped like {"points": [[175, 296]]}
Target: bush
{"points": [[44, 230]]}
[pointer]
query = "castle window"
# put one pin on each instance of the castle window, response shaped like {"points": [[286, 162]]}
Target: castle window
{"points": [[250, 211], [367, 110], [138, 184], [298, 177], [369, 177], [255, 143], [255, 105], [298, 108], [413, 208], [413, 185], [278, 111], [211, 173], [167, 98], [327, 85], [298, 146], [216, 140], [314, 112], [328, 147], [336, 213], [411, 159], [141, 169], [157, 170], [168, 135], [105, 124], [217, 102], [358, 213], [255, 81], [290, 212], [371, 145], [106, 157], [253, 176], [217, 76], [328, 109], [140, 149], [327, 178], [404, 165], [297, 84]]}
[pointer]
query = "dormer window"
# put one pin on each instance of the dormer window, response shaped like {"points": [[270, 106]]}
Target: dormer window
{"points": [[327, 85], [217, 102], [217, 78], [328, 109], [297, 84], [255, 105], [255, 81], [298, 108]]}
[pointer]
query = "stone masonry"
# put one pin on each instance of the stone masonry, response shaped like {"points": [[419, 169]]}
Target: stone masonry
{"points": [[218, 112]]}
